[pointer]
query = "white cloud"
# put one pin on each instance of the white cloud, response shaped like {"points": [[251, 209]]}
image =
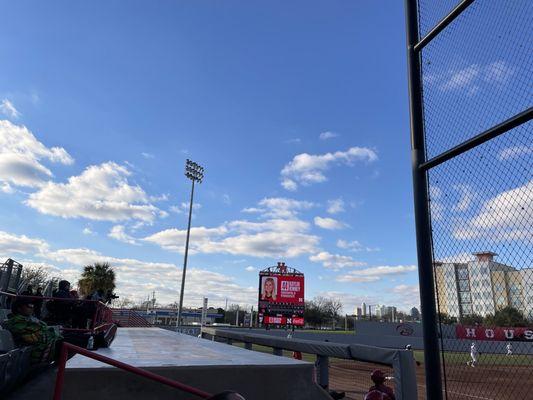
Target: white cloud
{"points": [[253, 210], [174, 239], [147, 155], [8, 109], [498, 72], [472, 77], [10, 243], [226, 199], [407, 296], [335, 206], [375, 273], [101, 192], [6, 188], [282, 207], [467, 196], [335, 261], [270, 238], [250, 269], [328, 135], [21, 155], [118, 232], [184, 208], [138, 278], [354, 246], [462, 78], [306, 169], [505, 217], [88, 231], [515, 152], [329, 223], [289, 184], [293, 141], [456, 258]]}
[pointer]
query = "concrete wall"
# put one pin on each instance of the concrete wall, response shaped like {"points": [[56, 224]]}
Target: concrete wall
{"points": [[253, 382]]}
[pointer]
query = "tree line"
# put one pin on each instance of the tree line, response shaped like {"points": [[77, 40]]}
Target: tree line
{"points": [[507, 316]]}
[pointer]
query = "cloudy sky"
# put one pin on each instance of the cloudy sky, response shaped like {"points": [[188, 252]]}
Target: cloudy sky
{"points": [[299, 115]]}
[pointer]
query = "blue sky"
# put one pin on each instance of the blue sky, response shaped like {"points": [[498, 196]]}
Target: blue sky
{"points": [[298, 113]]}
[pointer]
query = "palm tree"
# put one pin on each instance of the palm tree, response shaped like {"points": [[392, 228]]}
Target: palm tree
{"points": [[99, 276]]}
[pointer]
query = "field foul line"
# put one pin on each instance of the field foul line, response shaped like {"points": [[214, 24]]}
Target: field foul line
{"points": [[462, 394]]}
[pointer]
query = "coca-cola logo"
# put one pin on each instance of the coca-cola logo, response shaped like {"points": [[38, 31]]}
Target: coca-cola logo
{"points": [[405, 330]]}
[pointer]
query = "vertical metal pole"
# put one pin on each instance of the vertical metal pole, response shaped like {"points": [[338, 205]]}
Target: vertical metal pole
{"points": [[178, 321], [323, 370], [421, 205]]}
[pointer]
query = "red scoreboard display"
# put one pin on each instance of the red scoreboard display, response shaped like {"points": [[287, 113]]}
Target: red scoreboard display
{"points": [[281, 296]]}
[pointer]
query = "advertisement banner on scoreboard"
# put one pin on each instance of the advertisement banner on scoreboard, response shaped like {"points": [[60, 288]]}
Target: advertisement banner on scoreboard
{"points": [[494, 333], [297, 321], [281, 297], [282, 289]]}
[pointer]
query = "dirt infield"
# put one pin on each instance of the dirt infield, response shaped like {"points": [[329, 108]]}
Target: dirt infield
{"points": [[463, 382]]}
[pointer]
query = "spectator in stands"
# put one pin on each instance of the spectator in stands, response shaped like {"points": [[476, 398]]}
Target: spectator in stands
{"points": [[30, 331], [61, 311], [378, 377], [38, 304], [28, 291], [63, 291]]}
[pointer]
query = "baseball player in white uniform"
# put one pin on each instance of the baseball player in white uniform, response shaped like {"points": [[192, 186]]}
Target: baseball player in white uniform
{"points": [[473, 355], [509, 349]]}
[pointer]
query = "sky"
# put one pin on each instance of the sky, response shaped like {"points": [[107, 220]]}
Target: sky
{"points": [[298, 113]]}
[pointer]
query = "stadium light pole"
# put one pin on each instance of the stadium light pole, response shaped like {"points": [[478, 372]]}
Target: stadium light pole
{"points": [[195, 173]]}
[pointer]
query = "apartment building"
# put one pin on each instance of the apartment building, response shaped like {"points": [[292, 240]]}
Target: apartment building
{"points": [[482, 286]]}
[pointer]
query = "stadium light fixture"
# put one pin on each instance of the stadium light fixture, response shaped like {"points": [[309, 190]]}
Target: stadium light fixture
{"points": [[194, 172]]}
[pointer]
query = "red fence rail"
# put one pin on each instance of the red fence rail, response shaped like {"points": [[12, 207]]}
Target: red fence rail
{"points": [[67, 347]]}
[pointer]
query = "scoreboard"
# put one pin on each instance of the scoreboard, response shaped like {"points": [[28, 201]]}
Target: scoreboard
{"points": [[281, 296]]}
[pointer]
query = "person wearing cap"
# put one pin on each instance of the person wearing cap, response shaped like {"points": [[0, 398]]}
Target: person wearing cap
{"points": [[30, 331], [378, 377]]}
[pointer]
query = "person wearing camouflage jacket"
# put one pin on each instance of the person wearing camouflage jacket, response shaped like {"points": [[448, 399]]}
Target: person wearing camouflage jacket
{"points": [[30, 331]]}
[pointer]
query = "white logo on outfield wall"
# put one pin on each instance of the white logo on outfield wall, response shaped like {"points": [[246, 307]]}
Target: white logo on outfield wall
{"points": [[470, 332]]}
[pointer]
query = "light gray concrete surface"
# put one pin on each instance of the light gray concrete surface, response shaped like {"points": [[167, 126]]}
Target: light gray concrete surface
{"points": [[210, 366], [154, 347]]}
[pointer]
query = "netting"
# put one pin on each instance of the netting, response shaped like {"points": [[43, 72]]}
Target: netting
{"points": [[476, 74], [353, 377]]}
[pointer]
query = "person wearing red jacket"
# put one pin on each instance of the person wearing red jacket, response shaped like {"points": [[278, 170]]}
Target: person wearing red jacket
{"points": [[378, 377]]}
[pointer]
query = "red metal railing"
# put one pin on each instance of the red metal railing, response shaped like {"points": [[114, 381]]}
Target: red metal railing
{"points": [[126, 367]]}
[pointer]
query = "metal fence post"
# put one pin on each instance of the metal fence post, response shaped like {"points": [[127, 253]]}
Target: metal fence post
{"points": [[423, 224], [322, 363]]}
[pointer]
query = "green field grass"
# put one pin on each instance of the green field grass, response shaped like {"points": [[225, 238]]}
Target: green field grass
{"points": [[483, 358], [449, 357]]}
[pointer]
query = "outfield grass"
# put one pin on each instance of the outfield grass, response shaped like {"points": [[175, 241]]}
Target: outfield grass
{"points": [[483, 358], [449, 357]]}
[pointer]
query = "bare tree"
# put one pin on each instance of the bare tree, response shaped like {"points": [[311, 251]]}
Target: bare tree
{"points": [[35, 276]]}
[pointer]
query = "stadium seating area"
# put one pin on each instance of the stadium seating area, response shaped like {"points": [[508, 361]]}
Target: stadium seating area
{"points": [[15, 365]]}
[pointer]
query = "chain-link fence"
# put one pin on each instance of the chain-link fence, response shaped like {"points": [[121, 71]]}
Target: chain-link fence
{"points": [[476, 95], [353, 377]]}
